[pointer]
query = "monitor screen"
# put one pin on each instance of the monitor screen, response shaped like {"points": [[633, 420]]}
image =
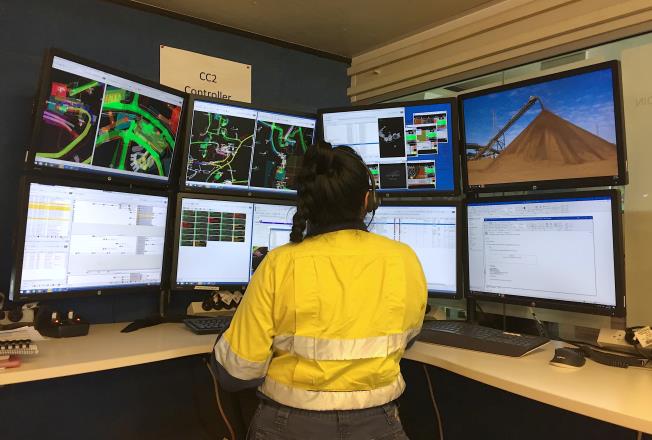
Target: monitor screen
{"points": [[431, 231], [408, 147], [554, 130], [559, 249], [80, 239], [272, 227], [238, 148], [222, 242], [97, 122]]}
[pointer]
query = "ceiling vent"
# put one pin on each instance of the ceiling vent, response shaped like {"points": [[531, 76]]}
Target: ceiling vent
{"points": [[463, 86], [563, 60]]}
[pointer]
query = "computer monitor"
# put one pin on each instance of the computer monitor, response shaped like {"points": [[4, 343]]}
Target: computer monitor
{"points": [[238, 148], [93, 119], [409, 147], [432, 229], [221, 241], [77, 239], [557, 131], [560, 251]]}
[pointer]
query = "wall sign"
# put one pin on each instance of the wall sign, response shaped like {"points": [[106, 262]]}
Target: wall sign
{"points": [[203, 75]]}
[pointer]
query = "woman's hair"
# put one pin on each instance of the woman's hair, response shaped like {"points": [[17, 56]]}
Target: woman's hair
{"points": [[331, 188]]}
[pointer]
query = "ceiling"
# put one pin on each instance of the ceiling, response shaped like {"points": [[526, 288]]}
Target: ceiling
{"points": [[341, 27]]}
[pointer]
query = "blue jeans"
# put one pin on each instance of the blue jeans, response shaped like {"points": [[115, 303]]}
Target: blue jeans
{"points": [[274, 421]]}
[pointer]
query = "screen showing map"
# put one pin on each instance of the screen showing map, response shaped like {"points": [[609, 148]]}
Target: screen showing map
{"points": [[96, 122], [239, 148]]}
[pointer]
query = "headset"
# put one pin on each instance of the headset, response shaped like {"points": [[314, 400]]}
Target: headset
{"points": [[630, 335], [373, 202]]}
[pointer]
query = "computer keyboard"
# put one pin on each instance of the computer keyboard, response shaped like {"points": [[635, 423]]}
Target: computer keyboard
{"points": [[474, 337], [208, 326]]}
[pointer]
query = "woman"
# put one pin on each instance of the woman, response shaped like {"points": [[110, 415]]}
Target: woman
{"points": [[327, 317]]}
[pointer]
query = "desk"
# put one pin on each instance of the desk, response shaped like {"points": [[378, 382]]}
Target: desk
{"points": [[616, 395], [106, 348]]}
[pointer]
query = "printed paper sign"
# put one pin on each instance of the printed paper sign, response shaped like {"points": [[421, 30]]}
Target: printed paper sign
{"points": [[204, 75]]}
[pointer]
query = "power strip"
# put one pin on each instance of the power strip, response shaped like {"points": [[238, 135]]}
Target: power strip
{"points": [[196, 309], [27, 318], [615, 340]]}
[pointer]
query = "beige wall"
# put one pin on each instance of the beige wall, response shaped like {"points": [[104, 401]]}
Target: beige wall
{"points": [[507, 33], [637, 94]]}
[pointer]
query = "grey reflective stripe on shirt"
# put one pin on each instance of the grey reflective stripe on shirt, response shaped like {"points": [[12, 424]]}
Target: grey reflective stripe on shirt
{"points": [[319, 349], [331, 400], [237, 366]]}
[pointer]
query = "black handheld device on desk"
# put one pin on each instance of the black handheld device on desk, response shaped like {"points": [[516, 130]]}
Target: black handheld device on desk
{"points": [[55, 325]]}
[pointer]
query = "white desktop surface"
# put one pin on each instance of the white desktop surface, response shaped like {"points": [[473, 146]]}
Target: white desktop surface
{"points": [[617, 395], [105, 348]]}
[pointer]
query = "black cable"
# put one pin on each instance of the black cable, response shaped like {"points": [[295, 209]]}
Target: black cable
{"points": [[540, 327], [479, 307], [219, 402], [434, 403], [590, 344], [195, 400], [636, 344], [641, 352]]}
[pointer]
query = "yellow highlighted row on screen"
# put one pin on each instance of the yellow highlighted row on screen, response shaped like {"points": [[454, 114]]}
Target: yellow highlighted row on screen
{"points": [[50, 206]]}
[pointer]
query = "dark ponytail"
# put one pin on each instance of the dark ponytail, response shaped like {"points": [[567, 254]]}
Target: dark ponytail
{"points": [[299, 222], [331, 188]]}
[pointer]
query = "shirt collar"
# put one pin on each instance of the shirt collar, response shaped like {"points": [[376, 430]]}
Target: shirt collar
{"points": [[314, 230]]}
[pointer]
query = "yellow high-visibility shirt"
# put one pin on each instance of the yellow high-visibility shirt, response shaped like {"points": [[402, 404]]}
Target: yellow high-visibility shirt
{"points": [[326, 321]]}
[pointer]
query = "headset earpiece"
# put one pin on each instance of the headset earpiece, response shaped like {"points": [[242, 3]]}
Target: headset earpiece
{"points": [[373, 201]]}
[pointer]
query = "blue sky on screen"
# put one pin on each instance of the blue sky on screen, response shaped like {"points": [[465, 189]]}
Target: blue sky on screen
{"points": [[586, 100]]}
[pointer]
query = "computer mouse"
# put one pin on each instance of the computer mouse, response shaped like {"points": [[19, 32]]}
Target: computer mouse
{"points": [[568, 357]]}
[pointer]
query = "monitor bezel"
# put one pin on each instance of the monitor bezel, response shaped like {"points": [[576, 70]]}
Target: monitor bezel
{"points": [[98, 174], [583, 182], [460, 238], [177, 229], [229, 191], [618, 251], [454, 139], [21, 226]]}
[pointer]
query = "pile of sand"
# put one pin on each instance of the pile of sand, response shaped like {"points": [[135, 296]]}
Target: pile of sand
{"points": [[549, 148]]}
